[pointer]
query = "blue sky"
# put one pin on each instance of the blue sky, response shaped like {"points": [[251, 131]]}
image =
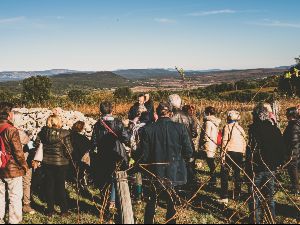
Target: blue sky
{"points": [[119, 34]]}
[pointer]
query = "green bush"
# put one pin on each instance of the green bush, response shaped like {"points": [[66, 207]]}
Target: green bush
{"points": [[221, 87], [77, 96], [246, 84], [123, 93], [37, 89], [202, 93], [289, 83]]}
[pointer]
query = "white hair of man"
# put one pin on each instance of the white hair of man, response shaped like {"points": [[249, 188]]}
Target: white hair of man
{"points": [[175, 101], [18, 120]]}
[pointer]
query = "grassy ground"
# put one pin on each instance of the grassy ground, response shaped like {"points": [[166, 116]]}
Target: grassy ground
{"points": [[203, 210]]}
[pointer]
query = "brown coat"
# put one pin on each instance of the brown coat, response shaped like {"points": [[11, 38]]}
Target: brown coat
{"points": [[17, 166]]}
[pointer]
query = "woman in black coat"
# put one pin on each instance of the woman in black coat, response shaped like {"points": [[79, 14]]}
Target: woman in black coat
{"points": [[81, 146], [57, 150]]}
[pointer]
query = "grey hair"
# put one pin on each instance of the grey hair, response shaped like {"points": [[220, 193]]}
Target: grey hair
{"points": [[18, 120], [175, 101], [261, 113]]}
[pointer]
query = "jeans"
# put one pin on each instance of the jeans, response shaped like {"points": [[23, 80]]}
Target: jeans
{"points": [[263, 201], [154, 196], [212, 170], [55, 187], [27, 187], [294, 174], [232, 159], [15, 194], [113, 193], [139, 185]]}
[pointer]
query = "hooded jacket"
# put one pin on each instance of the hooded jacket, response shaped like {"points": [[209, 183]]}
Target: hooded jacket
{"points": [[209, 136]]}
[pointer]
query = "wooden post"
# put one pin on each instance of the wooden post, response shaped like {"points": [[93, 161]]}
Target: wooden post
{"points": [[124, 197]]}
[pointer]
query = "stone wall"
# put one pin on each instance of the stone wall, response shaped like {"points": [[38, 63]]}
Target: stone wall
{"points": [[32, 120]]}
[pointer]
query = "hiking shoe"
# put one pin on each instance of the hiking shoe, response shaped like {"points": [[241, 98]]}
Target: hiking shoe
{"points": [[224, 201], [112, 206], [28, 210]]}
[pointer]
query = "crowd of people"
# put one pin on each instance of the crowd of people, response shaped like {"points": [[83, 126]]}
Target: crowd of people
{"points": [[159, 148]]}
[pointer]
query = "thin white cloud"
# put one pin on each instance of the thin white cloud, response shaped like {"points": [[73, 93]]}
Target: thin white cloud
{"points": [[12, 20], [164, 20], [59, 17], [213, 12], [277, 23]]}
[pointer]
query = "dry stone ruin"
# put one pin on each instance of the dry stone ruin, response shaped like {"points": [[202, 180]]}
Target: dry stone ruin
{"points": [[32, 120]]}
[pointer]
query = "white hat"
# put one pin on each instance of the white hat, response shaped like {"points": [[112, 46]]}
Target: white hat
{"points": [[234, 115]]}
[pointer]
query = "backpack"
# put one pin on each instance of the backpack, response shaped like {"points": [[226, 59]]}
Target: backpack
{"points": [[4, 157], [135, 137]]}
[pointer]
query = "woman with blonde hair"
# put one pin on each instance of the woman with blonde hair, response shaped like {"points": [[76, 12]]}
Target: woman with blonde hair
{"points": [[233, 150], [57, 149]]}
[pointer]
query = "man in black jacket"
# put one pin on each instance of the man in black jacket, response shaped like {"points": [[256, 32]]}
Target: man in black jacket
{"points": [[266, 152], [108, 134], [165, 146], [292, 141]]}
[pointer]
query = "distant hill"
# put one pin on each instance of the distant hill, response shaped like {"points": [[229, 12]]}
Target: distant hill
{"points": [[90, 80], [146, 73], [21, 75], [156, 73], [65, 82], [170, 73]]}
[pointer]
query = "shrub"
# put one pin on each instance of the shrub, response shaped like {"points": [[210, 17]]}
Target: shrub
{"points": [[289, 83], [123, 93], [77, 96], [221, 87], [37, 89], [246, 84]]}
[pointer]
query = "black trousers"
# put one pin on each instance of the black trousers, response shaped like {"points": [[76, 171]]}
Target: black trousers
{"points": [[154, 196], [294, 174], [212, 170], [231, 160], [55, 177]]}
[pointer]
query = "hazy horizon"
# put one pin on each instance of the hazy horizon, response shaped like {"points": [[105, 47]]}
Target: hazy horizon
{"points": [[186, 69]]}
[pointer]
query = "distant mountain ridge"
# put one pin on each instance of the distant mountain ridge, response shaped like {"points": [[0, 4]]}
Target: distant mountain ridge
{"points": [[80, 81], [21, 75], [172, 73], [157, 73], [132, 74]]}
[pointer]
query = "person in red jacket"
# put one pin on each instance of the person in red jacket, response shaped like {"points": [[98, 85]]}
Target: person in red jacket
{"points": [[11, 174]]}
